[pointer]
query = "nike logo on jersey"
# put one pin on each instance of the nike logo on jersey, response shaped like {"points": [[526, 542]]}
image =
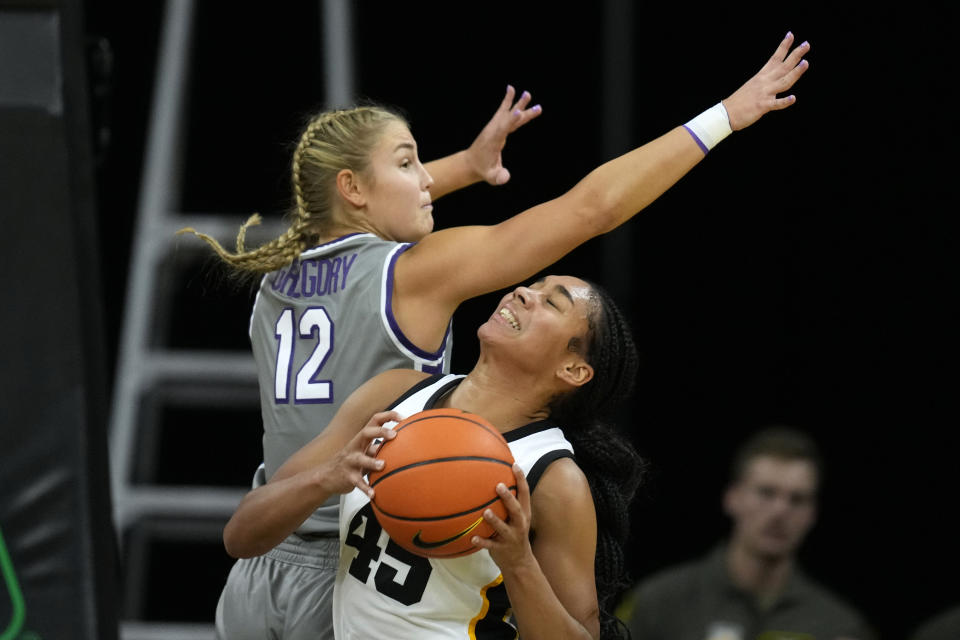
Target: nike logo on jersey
{"points": [[424, 544]]}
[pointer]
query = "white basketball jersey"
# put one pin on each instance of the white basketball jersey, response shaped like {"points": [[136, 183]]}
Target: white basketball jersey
{"points": [[384, 591]]}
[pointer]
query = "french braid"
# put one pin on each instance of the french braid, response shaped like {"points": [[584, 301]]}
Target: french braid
{"points": [[331, 142]]}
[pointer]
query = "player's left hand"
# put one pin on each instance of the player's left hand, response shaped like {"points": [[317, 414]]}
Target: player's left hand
{"points": [[758, 95], [511, 545], [484, 155]]}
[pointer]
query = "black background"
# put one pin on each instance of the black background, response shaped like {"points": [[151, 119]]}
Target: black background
{"points": [[803, 273]]}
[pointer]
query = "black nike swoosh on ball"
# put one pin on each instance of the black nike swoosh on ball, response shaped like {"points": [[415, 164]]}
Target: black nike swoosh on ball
{"points": [[423, 544]]}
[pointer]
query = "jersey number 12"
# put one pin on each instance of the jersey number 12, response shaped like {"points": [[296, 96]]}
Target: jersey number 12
{"points": [[314, 326]]}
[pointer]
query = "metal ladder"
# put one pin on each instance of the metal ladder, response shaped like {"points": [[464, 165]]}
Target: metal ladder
{"points": [[183, 512]]}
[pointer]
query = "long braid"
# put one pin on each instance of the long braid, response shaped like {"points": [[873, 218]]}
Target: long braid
{"points": [[330, 142], [613, 467], [265, 258]]}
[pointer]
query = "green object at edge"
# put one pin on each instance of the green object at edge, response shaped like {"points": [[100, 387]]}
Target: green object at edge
{"points": [[13, 588]]}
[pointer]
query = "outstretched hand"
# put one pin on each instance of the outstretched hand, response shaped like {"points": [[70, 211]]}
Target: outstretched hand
{"points": [[484, 154], [349, 467], [759, 94]]}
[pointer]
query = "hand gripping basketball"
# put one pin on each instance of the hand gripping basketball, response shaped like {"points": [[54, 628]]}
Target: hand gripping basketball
{"points": [[510, 544], [350, 466], [440, 474]]}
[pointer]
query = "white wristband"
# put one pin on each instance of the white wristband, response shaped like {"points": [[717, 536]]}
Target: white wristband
{"points": [[710, 127]]}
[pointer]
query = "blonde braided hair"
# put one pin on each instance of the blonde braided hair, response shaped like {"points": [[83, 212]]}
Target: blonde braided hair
{"points": [[332, 141]]}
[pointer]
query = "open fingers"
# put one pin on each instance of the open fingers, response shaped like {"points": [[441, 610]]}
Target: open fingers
{"points": [[792, 76], [361, 483], [759, 94], [507, 99], [523, 116], [796, 55], [368, 442], [363, 465], [519, 113], [364, 461], [371, 438], [783, 48], [371, 433], [522, 102], [776, 104]]}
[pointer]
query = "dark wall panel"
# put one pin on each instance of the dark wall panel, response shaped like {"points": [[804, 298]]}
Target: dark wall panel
{"points": [[57, 552]]}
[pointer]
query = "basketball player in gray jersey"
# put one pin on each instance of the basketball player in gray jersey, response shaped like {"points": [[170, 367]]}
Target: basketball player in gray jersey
{"points": [[357, 171], [324, 322], [335, 292]]}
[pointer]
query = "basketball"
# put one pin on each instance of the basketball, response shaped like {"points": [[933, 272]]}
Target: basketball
{"points": [[440, 473]]}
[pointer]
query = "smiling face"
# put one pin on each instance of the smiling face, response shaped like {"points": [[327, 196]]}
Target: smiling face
{"points": [[395, 188], [542, 325], [773, 505]]}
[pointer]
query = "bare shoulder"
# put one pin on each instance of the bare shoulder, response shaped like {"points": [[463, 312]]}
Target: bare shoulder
{"points": [[563, 474], [395, 377], [562, 492], [382, 389]]}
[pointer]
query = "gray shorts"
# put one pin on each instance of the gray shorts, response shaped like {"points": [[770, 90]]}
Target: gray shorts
{"points": [[285, 594]]}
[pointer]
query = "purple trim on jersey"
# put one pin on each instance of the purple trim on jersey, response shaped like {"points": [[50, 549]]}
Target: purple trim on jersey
{"points": [[335, 241], [697, 140], [395, 328]]}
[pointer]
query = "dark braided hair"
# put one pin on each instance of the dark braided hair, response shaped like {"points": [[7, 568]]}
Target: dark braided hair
{"points": [[613, 467]]}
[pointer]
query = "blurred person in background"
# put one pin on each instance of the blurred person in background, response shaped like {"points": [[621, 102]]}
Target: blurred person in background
{"points": [[750, 586]]}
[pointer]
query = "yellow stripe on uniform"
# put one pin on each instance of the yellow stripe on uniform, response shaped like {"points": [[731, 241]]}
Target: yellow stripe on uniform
{"points": [[485, 607]]}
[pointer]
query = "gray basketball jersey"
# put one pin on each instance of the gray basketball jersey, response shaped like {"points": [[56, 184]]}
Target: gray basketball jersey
{"points": [[320, 328]]}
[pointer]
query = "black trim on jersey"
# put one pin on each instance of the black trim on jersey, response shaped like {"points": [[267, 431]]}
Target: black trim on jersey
{"points": [[426, 382], [493, 625], [528, 430], [541, 465], [442, 391]]}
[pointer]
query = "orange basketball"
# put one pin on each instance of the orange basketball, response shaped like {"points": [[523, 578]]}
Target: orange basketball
{"points": [[440, 473]]}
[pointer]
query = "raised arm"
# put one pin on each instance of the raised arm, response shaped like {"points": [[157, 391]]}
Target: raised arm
{"points": [[550, 582], [483, 160], [487, 258], [333, 462]]}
